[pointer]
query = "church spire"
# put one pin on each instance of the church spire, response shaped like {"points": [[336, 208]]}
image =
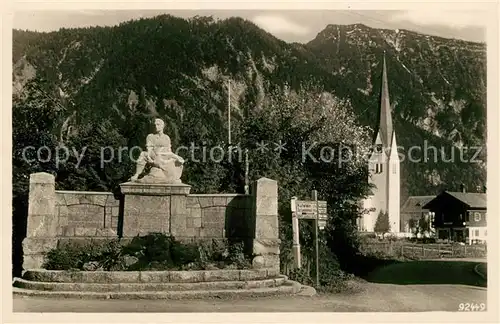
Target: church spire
{"points": [[385, 122]]}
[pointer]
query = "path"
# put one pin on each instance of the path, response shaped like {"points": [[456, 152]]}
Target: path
{"points": [[401, 295]]}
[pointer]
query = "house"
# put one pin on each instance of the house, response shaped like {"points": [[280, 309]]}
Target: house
{"points": [[412, 211], [459, 216], [384, 168]]}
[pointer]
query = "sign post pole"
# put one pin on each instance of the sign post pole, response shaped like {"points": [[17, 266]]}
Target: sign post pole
{"points": [[316, 229], [295, 234], [315, 210]]}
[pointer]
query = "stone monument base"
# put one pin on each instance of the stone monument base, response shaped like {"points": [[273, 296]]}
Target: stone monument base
{"points": [[35, 249], [155, 189], [154, 207]]}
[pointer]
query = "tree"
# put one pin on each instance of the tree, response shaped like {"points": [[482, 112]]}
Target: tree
{"points": [[382, 225], [309, 116], [34, 123]]}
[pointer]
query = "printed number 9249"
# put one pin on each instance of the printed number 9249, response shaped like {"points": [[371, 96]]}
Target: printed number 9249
{"points": [[471, 307]]}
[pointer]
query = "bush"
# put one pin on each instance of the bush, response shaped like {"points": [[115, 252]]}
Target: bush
{"points": [[111, 256], [62, 259], [368, 235], [154, 251], [338, 282], [237, 255], [73, 256], [392, 238], [301, 275], [332, 278]]}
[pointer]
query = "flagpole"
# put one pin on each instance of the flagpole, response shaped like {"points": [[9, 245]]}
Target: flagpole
{"points": [[229, 111]]}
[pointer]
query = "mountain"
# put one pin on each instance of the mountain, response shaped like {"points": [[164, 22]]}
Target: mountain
{"points": [[179, 69], [437, 90]]}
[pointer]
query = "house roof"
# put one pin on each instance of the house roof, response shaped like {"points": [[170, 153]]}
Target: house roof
{"points": [[415, 203], [471, 199]]}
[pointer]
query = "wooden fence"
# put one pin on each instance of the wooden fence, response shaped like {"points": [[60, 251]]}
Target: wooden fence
{"points": [[425, 251], [401, 250]]}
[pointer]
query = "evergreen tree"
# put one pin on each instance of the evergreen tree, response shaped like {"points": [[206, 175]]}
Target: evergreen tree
{"points": [[382, 225]]}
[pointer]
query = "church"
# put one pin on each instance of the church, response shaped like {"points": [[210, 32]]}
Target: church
{"points": [[384, 168]]}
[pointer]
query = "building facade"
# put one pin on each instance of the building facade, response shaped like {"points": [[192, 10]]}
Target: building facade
{"points": [[460, 216], [384, 168], [412, 211]]}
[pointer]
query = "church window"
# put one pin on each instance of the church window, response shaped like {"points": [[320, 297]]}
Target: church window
{"points": [[381, 170]]}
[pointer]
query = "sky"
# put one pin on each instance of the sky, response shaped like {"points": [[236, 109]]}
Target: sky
{"points": [[291, 26]]}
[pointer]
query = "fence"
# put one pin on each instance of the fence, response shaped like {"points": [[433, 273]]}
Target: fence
{"points": [[425, 251], [405, 250]]}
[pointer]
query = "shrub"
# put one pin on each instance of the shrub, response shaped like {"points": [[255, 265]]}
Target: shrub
{"points": [[184, 253], [62, 259], [331, 277], [154, 248], [212, 251], [338, 282], [111, 256], [237, 255], [154, 251], [392, 238], [368, 235], [301, 275], [73, 256], [329, 268]]}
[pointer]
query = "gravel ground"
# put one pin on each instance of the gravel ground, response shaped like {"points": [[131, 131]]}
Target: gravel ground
{"points": [[373, 298]]}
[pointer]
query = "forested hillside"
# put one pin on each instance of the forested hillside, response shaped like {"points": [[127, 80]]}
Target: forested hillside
{"points": [[119, 77]]}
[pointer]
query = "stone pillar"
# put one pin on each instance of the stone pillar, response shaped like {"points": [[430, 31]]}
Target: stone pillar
{"points": [[159, 208], [179, 214], [42, 223], [266, 242]]}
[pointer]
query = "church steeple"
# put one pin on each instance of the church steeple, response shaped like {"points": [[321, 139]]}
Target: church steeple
{"points": [[384, 166], [385, 119]]}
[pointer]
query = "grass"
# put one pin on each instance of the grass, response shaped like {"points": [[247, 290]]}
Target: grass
{"points": [[428, 272]]}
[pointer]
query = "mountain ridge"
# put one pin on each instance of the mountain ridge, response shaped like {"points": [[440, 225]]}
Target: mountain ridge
{"points": [[436, 85]]}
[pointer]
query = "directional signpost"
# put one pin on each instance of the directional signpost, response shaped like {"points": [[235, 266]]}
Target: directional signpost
{"points": [[310, 210]]}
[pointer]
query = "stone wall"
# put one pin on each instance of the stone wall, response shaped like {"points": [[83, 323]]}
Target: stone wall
{"points": [[219, 216], [61, 216], [87, 214]]}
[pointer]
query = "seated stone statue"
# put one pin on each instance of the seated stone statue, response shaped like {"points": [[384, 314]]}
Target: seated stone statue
{"points": [[166, 167]]}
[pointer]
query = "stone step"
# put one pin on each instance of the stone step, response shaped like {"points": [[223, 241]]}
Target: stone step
{"points": [[148, 276], [134, 287], [288, 288]]}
